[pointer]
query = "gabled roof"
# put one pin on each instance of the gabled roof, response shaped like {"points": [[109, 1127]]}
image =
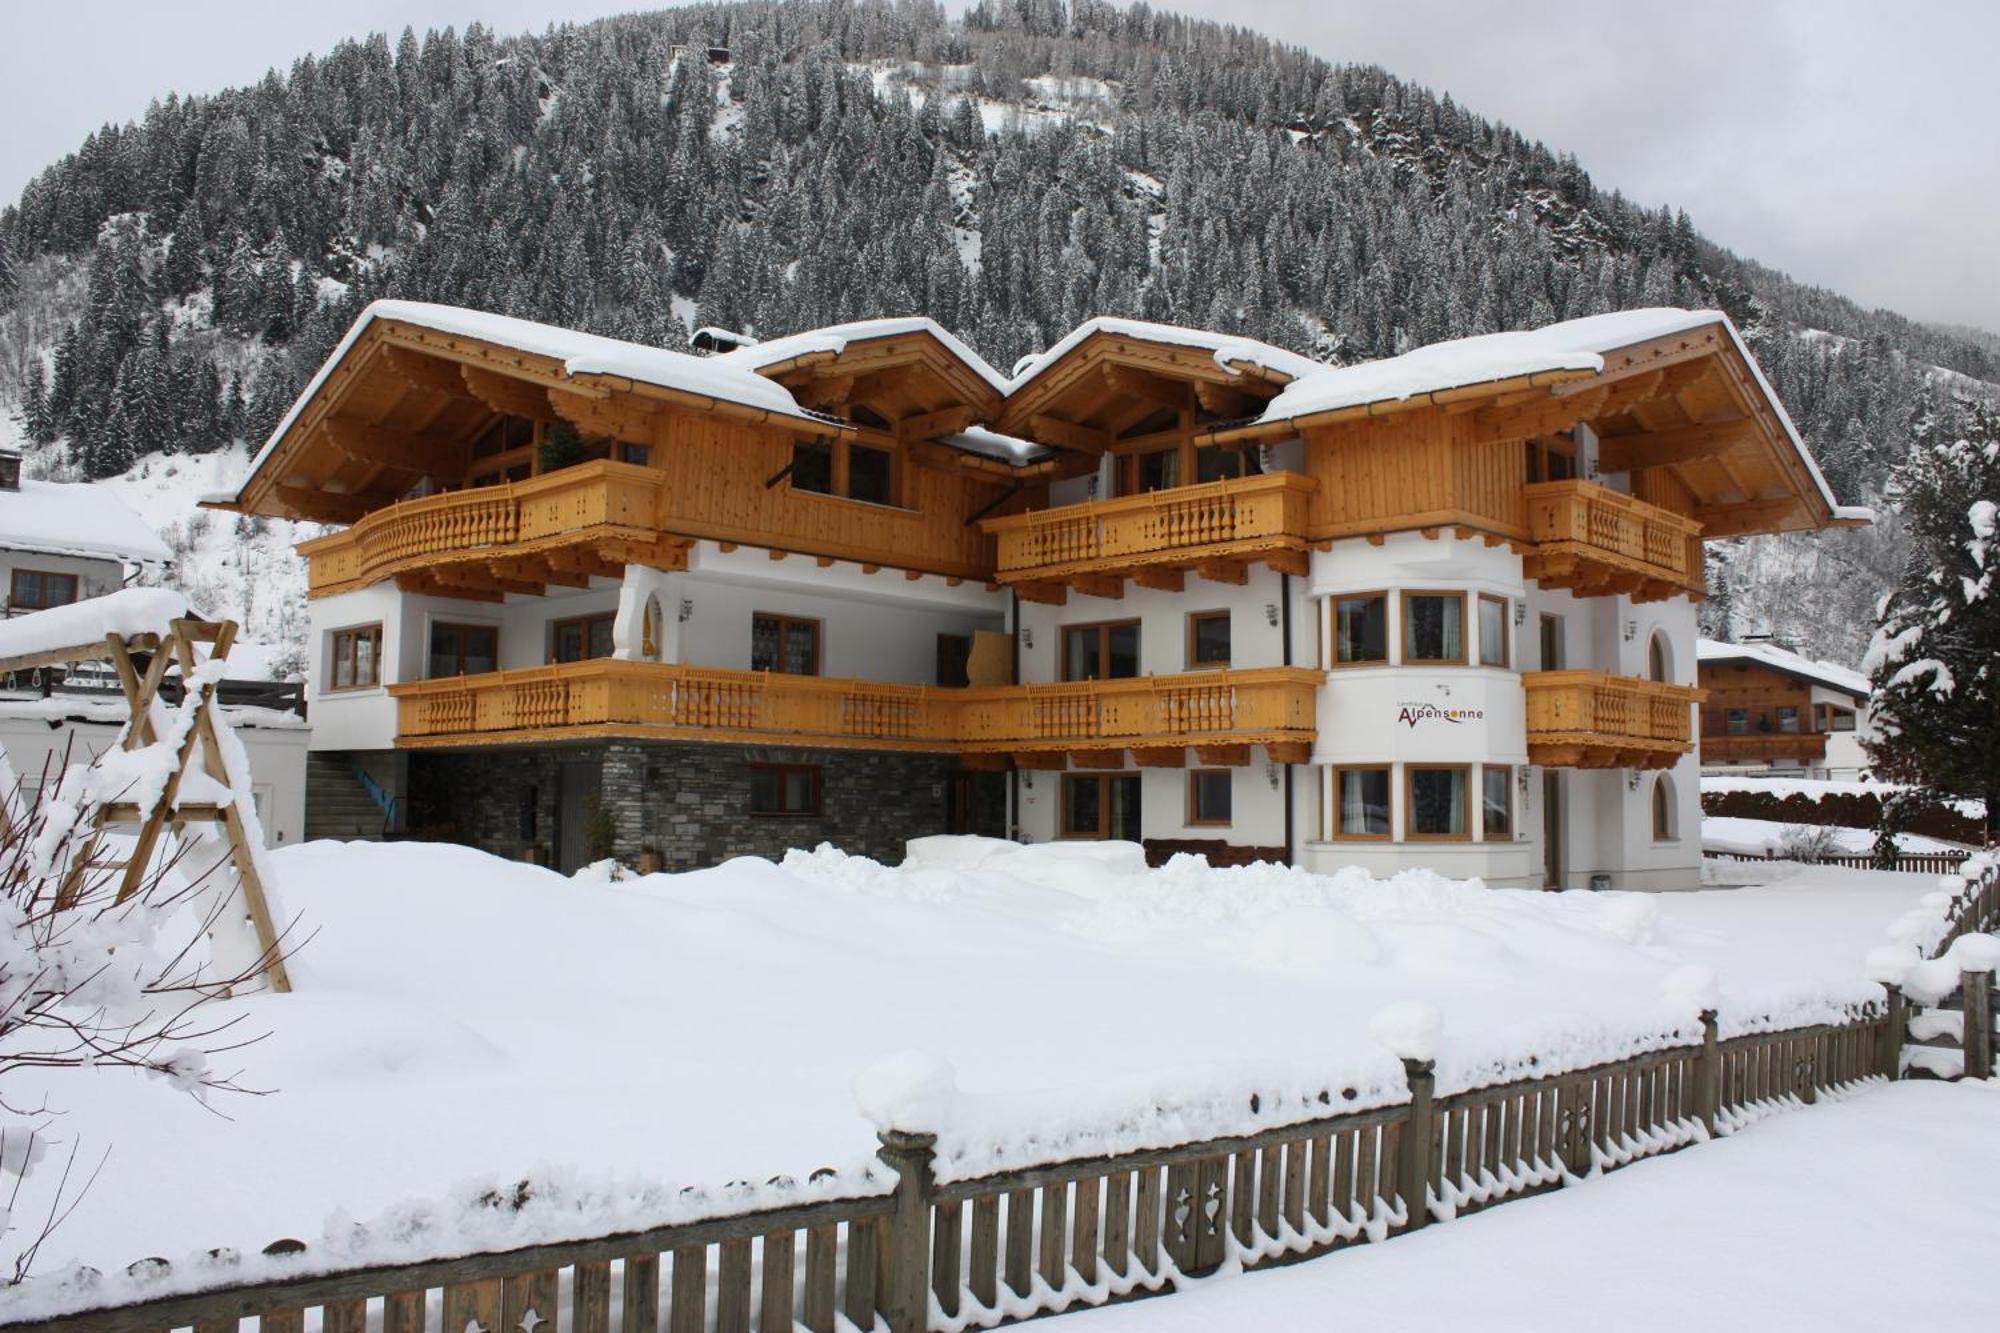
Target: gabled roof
{"points": [[834, 339], [76, 518], [1846, 680], [1231, 354]]}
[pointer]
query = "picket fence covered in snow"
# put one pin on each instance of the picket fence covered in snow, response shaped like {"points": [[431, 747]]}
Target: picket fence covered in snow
{"points": [[916, 1248]]}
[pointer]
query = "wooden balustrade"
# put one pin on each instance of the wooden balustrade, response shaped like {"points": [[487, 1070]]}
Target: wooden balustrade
{"points": [[1594, 541], [1759, 747], [603, 499], [1587, 719], [1261, 517], [1268, 706]]}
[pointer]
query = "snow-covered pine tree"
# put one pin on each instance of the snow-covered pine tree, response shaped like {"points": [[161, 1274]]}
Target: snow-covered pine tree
{"points": [[1935, 659]]}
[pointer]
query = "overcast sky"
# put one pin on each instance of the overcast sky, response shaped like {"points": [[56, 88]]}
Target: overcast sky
{"points": [[1853, 144]]}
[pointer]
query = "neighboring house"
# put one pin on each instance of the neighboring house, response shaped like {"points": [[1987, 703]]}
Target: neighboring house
{"points": [[64, 542], [1771, 710], [1157, 584], [61, 542]]}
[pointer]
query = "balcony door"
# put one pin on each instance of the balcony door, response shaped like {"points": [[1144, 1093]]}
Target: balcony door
{"points": [[1552, 829], [1552, 643], [1107, 651], [1101, 805]]}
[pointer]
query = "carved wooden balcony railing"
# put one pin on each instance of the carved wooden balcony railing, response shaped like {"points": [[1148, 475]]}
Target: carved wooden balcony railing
{"points": [[1215, 528], [1762, 747], [494, 538], [1595, 541], [1587, 719], [1222, 713]]}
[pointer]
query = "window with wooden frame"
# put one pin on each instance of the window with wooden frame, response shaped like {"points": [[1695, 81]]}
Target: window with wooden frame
{"points": [[1736, 722], [504, 451], [1105, 651], [787, 645], [1100, 805], [1434, 802], [845, 468], [1218, 463], [1210, 792], [1494, 650], [786, 789], [1835, 719], [1656, 658], [1552, 643], [1496, 802], [1664, 814], [1788, 719], [1551, 459], [1361, 803], [1208, 639], [354, 658], [10, 472], [38, 589], [639, 455], [1434, 628], [581, 638], [1361, 629], [1153, 470], [463, 650]]}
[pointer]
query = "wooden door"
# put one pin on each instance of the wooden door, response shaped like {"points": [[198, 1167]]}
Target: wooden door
{"points": [[1552, 830], [578, 784]]}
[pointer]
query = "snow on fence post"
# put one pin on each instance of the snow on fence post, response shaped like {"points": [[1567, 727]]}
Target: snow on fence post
{"points": [[1708, 1072], [1976, 994], [906, 1292], [1413, 1169]]}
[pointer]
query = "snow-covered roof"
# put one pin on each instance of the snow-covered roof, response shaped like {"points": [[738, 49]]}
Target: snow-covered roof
{"points": [[75, 518], [835, 339], [1229, 352], [580, 353], [127, 612], [1830, 674], [992, 444]]}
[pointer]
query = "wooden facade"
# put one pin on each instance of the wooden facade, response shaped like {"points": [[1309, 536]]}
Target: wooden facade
{"points": [[1758, 714]]}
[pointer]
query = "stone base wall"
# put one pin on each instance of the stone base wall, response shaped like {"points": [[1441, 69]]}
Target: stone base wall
{"points": [[689, 803]]}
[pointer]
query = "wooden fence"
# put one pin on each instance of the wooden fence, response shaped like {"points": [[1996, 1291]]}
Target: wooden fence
{"points": [[1921, 863], [1008, 1246]]}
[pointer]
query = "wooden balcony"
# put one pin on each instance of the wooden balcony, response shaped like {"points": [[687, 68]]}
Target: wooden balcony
{"points": [[1804, 747], [1221, 713], [1587, 719], [561, 527], [1595, 541], [1217, 529]]}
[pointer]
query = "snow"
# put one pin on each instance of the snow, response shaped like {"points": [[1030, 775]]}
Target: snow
{"points": [[75, 518], [580, 353], [992, 444], [127, 612], [462, 1024], [1728, 833], [1229, 352], [1873, 1210], [1829, 674], [835, 338]]}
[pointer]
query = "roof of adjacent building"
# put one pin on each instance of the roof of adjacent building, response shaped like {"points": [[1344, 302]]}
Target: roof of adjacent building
{"points": [[1786, 662], [78, 519]]}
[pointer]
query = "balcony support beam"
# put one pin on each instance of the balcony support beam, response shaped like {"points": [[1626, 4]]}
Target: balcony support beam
{"points": [[1223, 756], [1160, 757], [1161, 578], [1097, 759]]}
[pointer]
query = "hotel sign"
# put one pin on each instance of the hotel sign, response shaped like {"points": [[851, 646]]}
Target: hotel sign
{"points": [[1412, 715]]}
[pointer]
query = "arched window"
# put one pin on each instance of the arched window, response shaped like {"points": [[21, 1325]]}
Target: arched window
{"points": [[1659, 658], [1665, 813]]}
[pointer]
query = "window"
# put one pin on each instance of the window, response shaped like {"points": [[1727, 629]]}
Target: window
{"points": [[785, 789], [1788, 719], [1209, 792], [1100, 805], [1664, 813], [1496, 789], [1208, 639], [463, 650], [37, 590], [1737, 722], [581, 638], [1552, 643], [1101, 652], [1434, 627], [1218, 463], [1492, 630], [843, 468], [1361, 629], [10, 472], [637, 454], [1552, 459], [356, 659], [1159, 470], [787, 645], [954, 658], [1361, 802], [1659, 663], [1436, 795], [1839, 719], [504, 451]]}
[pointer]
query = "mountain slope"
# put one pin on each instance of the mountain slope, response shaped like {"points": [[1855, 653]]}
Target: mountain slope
{"points": [[773, 166]]}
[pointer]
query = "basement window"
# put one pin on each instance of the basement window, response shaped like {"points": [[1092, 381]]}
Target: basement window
{"points": [[785, 789]]}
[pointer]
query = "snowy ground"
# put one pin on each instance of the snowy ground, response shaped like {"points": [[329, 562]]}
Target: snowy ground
{"points": [[462, 1022], [1874, 1212], [1728, 833]]}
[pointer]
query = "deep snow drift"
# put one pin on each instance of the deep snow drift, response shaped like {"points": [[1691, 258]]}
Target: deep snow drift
{"points": [[462, 1022]]}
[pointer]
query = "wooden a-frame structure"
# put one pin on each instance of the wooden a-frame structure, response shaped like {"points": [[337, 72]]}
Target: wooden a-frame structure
{"points": [[142, 662]]}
